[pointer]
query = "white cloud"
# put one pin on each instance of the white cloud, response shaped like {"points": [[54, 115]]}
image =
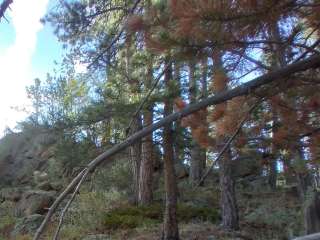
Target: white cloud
{"points": [[15, 61]]}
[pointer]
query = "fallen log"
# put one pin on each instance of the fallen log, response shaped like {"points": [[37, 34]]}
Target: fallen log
{"points": [[315, 236]]}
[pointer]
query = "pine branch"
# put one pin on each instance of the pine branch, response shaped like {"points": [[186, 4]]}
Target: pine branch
{"points": [[64, 211], [244, 89], [117, 37], [155, 84]]}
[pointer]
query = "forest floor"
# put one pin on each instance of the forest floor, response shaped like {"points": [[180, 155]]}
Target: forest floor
{"points": [[95, 214], [264, 215]]}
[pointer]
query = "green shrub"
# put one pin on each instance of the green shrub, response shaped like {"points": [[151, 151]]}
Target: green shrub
{"points": [[7, 219], [276, 220], [116, 175], [186, 213], [88, 211], [126, 217]]}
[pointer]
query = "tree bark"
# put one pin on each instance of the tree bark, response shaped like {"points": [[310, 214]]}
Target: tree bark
{"points": [[147, 161], [135, 158], [198, 156], [273, 172], [278, 61], [229, 207], [170, 225], [135, 149], [228, 201], [179, 140]]}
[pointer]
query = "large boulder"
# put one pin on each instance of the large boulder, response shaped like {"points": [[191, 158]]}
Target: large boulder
{"points": [[21, 154], [27, 225], [35, 202]]}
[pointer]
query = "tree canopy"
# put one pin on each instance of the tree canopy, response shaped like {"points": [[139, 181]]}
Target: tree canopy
{"points": [[200, 83]]}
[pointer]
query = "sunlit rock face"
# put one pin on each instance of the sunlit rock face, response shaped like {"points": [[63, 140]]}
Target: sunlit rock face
{"points": [[22, 154]]}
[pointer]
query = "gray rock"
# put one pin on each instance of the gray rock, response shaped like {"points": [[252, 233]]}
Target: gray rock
{"points": [[97, 237], [27, 225], [21, 154], [34, 202], [40, 177]]}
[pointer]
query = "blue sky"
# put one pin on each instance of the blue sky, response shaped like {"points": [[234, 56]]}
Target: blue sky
{"points": [[27, 51]]}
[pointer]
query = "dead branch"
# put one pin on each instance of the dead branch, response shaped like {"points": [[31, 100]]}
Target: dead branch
{"points": [[64, 211], [4, 6]]}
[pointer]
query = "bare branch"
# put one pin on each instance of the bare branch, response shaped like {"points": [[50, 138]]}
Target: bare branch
{"points": [[64, 211], [3, 7]]}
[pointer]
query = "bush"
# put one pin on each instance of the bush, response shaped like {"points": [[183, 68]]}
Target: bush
{"points": [[7, 219], [89, 209], [117, 175], [126, 217], [276, 220]]}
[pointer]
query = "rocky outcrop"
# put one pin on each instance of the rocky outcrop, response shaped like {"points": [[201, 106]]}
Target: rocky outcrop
{"points": [[34, 202], [21, 154]]}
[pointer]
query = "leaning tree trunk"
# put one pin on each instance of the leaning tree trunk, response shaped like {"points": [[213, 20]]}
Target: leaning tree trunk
{"points": [[170, 225], [147, 161]]}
